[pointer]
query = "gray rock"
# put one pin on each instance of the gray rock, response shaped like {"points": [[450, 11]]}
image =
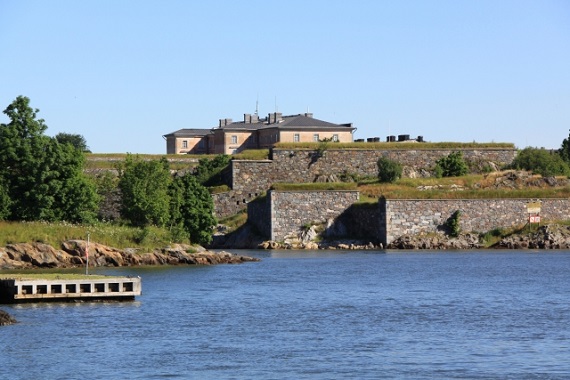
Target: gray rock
{"points": [[6, 319]]}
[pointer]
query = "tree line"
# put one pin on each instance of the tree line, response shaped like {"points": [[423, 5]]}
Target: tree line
{"points": [[42, 178]]}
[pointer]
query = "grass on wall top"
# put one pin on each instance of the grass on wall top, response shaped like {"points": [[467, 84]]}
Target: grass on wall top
{"points": [[396, 145], [314, 186]]}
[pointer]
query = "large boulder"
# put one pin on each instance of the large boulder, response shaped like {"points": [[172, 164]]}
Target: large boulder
{"points": [[6, 319]]}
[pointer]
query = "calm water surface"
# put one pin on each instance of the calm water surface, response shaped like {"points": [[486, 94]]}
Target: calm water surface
{"points": [[312, 315]]}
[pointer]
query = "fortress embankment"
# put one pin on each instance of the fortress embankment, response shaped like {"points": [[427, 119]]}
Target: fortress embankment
{"points": [[248, 179], [281, 214]]}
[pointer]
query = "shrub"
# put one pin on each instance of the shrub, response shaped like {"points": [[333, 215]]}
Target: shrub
{"points": [[388, 171], [452, 165], [453, 224], [540, 161], [209, 171]]}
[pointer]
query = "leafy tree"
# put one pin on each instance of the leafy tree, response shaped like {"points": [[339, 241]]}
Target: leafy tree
{"points": [[453, 165], [107, 185], [540, 161], [208, 172], [564, 150], [44, 179], [4, 201], [78, 141], [144, 187], [192, 209], [388, 170]]}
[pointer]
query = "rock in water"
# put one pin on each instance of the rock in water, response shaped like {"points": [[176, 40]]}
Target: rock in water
{"points": [[6, 319]]}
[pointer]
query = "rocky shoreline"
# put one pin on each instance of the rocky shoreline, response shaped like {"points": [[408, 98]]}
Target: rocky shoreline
{"points": [[72, 254], [551, 236]]}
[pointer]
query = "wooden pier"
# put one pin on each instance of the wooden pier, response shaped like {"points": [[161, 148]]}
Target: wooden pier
{"points": [[97, 288]]}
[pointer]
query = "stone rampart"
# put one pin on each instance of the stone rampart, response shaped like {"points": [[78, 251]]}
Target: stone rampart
{"points": [[285, 213], [410, 217], [231, 202], [259, 215], [289, 211], [306, 166], [297, 166], [249, 177]]}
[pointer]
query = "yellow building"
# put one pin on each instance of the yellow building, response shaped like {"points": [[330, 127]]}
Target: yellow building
{"points": [[231, 137]]}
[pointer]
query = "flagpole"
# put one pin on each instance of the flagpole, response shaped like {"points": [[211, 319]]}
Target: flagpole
{"points": [[87, 256]]}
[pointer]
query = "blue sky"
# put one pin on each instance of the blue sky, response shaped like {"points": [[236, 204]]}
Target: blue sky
{"points": [[123, 73]]}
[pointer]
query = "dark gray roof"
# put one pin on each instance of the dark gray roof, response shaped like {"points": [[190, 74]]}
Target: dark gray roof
{"points": [[187, 132], [305, 122], [241, 125]]}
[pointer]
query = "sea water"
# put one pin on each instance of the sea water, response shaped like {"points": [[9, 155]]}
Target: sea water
{"points": [[312, 315]]}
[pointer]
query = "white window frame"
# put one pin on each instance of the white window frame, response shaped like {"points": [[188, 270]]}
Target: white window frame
{"points": [[234, 139], [316, 137], [335, 138], [184, 144], [296, 138]]}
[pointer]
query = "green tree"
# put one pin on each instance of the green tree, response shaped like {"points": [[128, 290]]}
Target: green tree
{"points": [[78, 141], [192, 209], [564, 150], [4, 201], [44, 179], [144, 187], [209, 171], [453, 165], [540, 161], [388, 170]]}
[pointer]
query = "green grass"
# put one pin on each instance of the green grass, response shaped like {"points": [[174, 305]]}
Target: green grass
{"points": [[235, 221], [252, 154], [396, 145], [407, 188], [314, 186], [50, 276], [219, 189], [111, 160], [112, 235]]}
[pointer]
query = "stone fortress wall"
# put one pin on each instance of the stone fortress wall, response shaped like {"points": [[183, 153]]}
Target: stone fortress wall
{"points": [[415, 216], [283, 214], [248, 179]]}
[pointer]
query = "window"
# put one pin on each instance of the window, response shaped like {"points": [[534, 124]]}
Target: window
{"points": [[234, 139], [184, 144], [316, 137], [335, 138], [296, 137]]}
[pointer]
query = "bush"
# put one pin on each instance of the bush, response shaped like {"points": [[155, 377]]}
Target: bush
{"points": [[540, 161], [209, 171], [451, 166], [388, 171], [453, 224]]}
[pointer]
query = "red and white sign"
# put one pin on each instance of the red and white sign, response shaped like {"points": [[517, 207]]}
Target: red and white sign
{"points": [[534, 219]]}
